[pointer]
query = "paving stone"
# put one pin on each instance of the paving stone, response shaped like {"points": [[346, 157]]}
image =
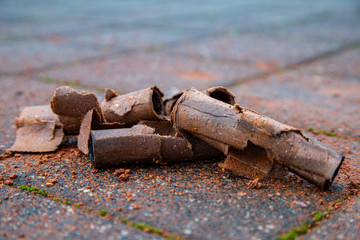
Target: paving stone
{"points": [[129, 72], [219, 43], [306, 100], [27, 56], [343, 66], [25, 215], [344, 224], [265, 51], [195, 200], [133, 39]]}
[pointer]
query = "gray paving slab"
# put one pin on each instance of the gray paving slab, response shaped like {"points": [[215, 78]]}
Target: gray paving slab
{"points": [[177, 45], [344, 65], [344, 224], [320, 100], [129, 72], [25, 215], [27, 56], [265, 51], [195, 200]]}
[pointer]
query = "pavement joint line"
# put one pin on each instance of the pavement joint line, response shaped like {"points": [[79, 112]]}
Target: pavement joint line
{"points": [[318, 131], [301, 20], [315, 218], [95, 58], [295, 66], [101, 213]]}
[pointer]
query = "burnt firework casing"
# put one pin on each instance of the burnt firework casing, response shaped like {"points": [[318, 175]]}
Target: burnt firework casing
{"points": [[232, 128]]}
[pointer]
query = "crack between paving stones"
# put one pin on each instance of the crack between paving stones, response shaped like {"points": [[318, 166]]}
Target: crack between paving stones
{"points": [[312, 223], [173, 235], [325, 15], [294, 66]]}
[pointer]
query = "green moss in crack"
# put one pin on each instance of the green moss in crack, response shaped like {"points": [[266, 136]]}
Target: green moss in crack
{"points": [[102, 212], [77, 205], [318, 131], [33, 189], [320, 214], [147, 227], [150, 229], [47, 79], [294, 233]]}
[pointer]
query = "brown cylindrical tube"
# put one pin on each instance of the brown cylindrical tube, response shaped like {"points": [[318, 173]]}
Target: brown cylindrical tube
{"points": [[236, 127], [147, 142], [176, 144], [119, 147], [146, 104]]}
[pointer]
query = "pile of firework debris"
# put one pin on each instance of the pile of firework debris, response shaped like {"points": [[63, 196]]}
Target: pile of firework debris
{"points": [[140, 128]]}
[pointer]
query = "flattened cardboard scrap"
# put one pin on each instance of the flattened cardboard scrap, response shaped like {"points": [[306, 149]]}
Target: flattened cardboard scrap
{"points": [[234, 126], [146, 104], [42, 112], [37, 130]]}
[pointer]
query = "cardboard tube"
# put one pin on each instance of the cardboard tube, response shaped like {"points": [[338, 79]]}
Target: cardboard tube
{"points": [[176, 145], [236, 127], [147, 142], [130, 108]]}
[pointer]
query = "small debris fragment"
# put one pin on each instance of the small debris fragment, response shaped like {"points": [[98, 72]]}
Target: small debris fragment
{"points": [[13, 176], [9, 182], [136, 206], [119, 172], [254, 184], [124, 177], [298, 203]]}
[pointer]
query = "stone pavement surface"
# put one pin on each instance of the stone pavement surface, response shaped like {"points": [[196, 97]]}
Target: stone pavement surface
{"points": [[296, 61]]}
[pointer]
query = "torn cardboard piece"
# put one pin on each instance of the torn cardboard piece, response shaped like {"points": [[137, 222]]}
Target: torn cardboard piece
{"points": [[222, 94], [71, 106], [92, 121], [227, 127], [146, 104], [37, 130]]}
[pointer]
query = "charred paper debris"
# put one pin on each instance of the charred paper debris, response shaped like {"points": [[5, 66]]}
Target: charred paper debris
{"points": [[140, 128]]}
